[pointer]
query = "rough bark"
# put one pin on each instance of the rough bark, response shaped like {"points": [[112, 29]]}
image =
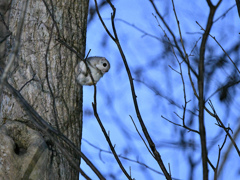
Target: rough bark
{"points": [[4, 31], [24, 152], [44, 74]]}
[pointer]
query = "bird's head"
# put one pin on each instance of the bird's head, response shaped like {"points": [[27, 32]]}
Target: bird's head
{"points": [[103, 65]]}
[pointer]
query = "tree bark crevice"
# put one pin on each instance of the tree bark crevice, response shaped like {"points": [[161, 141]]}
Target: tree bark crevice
{"points": [[23, 151]]}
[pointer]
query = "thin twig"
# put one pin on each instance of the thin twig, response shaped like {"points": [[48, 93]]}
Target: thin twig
{"points": [[174, 70], [180, 67], [174, 37], [219, 89], [123, 157], [184, 126], [169, 169], [138, 29], [224, 128], [176, 124], [225, 13], [94, 105], [184, 50], [134, 97], [126, 158], [219, 155], [220, 47], [227, 153], [158, 93], [141, 137], [194, 46], [188, 63]]}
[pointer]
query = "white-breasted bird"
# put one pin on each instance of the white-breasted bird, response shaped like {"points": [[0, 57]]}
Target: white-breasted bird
{"points": [[98, 66]]}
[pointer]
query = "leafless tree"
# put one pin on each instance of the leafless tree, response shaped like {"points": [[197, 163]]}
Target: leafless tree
{"points": [[41, 104]]}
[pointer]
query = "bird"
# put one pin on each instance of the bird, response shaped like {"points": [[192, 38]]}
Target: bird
{"points": [[97, 66]]}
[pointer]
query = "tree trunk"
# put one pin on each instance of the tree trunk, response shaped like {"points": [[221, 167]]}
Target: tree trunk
{"points": [[43, 72]]}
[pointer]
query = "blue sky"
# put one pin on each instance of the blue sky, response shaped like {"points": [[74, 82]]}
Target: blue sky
{"points": [[149, 63]]}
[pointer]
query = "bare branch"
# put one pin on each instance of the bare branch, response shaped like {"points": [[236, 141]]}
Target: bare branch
{"points": [[173, 36], [94, 105], [128, 159], [201, 104], [225, 13], [224, 128], [141, 137], [194, 46], [219, 155], [187, 60], [138, 29], [186, 55], [144, 129], [227, 153], [158, 93], [219, 89], [184, 126], [220, 47]]}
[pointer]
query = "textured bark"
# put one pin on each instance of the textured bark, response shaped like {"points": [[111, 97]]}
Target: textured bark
{"points": [[24, 152], [4, 31], [44, 74]]}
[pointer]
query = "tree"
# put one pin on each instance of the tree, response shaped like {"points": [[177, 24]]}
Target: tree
{"points": [[41, 104]]}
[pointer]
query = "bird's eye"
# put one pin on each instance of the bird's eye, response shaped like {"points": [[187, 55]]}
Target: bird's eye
{"points": [[105, 64]]}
